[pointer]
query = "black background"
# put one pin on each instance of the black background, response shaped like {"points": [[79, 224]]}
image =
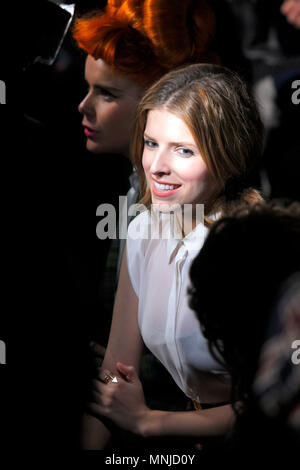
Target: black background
{"points": [[51, 258]]}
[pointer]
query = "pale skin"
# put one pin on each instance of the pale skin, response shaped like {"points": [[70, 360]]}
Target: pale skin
{"points": [[170, 154], [108, 108]]}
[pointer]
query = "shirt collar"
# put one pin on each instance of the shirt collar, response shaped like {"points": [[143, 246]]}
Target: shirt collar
{"points": [[191, 243]]}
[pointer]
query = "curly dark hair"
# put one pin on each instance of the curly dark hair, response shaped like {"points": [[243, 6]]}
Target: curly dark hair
{"points": [[235, 280]]}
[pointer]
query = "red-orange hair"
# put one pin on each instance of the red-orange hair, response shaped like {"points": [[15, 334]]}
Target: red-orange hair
{"points": [[146, 38]]}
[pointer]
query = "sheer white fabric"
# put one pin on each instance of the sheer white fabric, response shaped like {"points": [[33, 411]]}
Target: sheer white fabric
{"points": [[158, 270]]}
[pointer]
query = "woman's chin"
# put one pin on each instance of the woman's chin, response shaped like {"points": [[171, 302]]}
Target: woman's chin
{"points": [[164, 206], [93, 147]]}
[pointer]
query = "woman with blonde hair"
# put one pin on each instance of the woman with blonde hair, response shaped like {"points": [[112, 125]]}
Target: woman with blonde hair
{"points": [[197, 137], [130, 45]]}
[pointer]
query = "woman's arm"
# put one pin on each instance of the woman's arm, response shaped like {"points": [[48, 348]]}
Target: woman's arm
{"points": [[124, 404], [201, 423], [125, 345]]}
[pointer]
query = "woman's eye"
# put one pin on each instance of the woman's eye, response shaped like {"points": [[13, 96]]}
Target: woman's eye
{"points": [[150, 143], [185, 152], [107, 94], [103, 92]]}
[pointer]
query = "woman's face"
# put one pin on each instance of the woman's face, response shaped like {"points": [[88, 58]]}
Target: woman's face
{"points": [[108, 108], [171, 157]]}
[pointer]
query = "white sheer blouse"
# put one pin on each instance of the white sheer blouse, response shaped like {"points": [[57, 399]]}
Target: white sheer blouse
{"points": [[158, 270]]}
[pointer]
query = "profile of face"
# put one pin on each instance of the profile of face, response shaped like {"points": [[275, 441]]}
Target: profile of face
{"points": [[174, 168], [108, 108]]}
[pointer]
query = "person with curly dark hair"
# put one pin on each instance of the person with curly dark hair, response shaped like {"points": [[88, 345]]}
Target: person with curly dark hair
{"points": [[237, 279]]}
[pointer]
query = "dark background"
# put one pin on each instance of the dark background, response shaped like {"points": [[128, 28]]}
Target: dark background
{"points": [[52, 260]]}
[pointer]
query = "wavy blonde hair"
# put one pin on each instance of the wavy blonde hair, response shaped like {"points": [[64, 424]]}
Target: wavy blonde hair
{"points": [[223, 118]]}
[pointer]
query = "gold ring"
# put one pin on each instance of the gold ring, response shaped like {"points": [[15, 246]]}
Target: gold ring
{"points": [[110, 378]]}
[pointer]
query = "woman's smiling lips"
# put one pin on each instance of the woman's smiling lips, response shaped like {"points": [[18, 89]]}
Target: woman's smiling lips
{"points": [[163, 188], [89, 132]]}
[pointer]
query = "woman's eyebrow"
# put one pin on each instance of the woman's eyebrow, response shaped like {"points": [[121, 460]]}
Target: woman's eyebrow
{"points": [[183, 144], [148, 136], [105, 87], [108, 88]]}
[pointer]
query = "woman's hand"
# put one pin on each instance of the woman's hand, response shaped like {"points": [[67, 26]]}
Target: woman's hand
{"points": [[123, 401]]}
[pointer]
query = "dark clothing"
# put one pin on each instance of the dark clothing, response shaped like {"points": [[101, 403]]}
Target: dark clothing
{"points": [[57, 265]]}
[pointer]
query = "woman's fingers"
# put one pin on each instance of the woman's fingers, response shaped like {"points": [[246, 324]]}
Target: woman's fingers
{"points": [[99, 384], [94, 409], [106, 376], [95, 397], [101, 396], [96, 385]]}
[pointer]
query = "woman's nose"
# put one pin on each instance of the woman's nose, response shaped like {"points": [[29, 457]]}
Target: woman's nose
{"points": [[160, 163], [86, 106]]}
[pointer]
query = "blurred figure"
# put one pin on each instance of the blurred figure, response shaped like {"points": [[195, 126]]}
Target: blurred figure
{"points": [[270, 45], [47, 23], [291, 10], [248, 257], [277, 381], [48, 324]]}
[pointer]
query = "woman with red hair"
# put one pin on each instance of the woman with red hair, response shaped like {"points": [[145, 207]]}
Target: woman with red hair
{"points": [[131, 45]]}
